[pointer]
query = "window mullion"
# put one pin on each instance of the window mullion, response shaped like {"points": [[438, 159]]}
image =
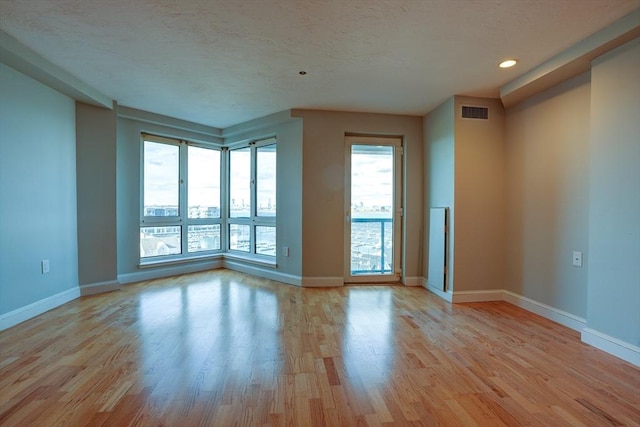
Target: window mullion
{"points": [[224, 196], [184, 210], [254, 198]]}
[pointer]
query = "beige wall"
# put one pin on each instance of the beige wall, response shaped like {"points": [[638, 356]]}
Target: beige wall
{"points": [[439, 144], [323, 186], [466, 173], [547, 195], [558, 173], [96, 194], [614, 195], [479, 216]]}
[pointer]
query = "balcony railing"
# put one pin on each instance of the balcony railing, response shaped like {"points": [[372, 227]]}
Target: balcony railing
{"points": [[371, 246]]}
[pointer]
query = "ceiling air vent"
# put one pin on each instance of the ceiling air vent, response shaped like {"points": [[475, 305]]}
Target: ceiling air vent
{"points": [[469, 112]]}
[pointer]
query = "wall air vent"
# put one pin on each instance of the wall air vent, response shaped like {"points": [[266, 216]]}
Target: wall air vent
{"points": [[469, 112]]}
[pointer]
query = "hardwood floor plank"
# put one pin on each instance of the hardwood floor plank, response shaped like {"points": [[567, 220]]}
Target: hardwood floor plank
{"points": [[606, 417], [223, 348]]}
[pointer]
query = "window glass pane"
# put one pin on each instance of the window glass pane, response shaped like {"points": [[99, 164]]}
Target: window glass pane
{"points": [[372, 181], [266, 240], [203, 237], [204, 183], [371, 209], [266, 181], [239, 237], [161, 179], [240, 183], [158, 241]]}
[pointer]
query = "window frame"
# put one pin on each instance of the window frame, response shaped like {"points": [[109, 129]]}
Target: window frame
{"points": [[253, 220], [182, 220], [224, 220], [173, 220]]}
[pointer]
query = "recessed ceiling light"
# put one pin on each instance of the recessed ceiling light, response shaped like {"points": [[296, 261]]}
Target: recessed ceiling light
{"points": [[508, 63], [302, 73]]}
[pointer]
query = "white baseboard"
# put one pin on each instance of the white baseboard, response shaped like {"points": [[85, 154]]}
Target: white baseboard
{"points": [[478, 296], [156, 273], [322, 282], [30, 311], [244, 267], [611, 345], [412, 281], [99, 288], [466, 296], [606, 343], [445, 295], [560, 316], [265, 272]]}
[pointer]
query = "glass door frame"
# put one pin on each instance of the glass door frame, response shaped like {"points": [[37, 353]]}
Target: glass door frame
{"points": [[397, 212]]}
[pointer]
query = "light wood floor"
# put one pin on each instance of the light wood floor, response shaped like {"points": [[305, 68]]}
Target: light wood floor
{"points": [[220, 349]]}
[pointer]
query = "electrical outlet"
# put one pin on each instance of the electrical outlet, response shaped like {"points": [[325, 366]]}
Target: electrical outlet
{"points": [[577, 259], [44, 264], [285, 251]]}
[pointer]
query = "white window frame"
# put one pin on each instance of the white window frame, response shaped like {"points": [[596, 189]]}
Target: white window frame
{"points": [[398, 217], [182, 220], [253, 220]]}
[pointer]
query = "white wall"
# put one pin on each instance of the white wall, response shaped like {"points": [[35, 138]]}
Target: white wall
{"points": [[613, 305], [37, 193], [547, 195]]}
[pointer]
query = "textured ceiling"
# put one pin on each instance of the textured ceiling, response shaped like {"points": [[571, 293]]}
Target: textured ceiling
{"points": [[223, 62]]}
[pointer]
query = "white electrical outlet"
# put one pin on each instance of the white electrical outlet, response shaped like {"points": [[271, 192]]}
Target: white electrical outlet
{"points": [[285, 251], [577, 259], [44, 264]]}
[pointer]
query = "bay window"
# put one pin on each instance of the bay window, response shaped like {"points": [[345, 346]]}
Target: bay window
{"points": [[198, 199]]}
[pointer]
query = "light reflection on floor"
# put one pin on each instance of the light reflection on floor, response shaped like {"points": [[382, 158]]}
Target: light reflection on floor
{"points": [[369, 352], [200, 331], [225, 333], [219, 348]]}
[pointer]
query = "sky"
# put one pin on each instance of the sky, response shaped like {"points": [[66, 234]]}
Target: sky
{"points": [[371, 178], [162, 175]]}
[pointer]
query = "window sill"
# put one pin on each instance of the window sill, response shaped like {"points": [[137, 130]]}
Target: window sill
{"points": [[263, 261], [172, 261]]}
